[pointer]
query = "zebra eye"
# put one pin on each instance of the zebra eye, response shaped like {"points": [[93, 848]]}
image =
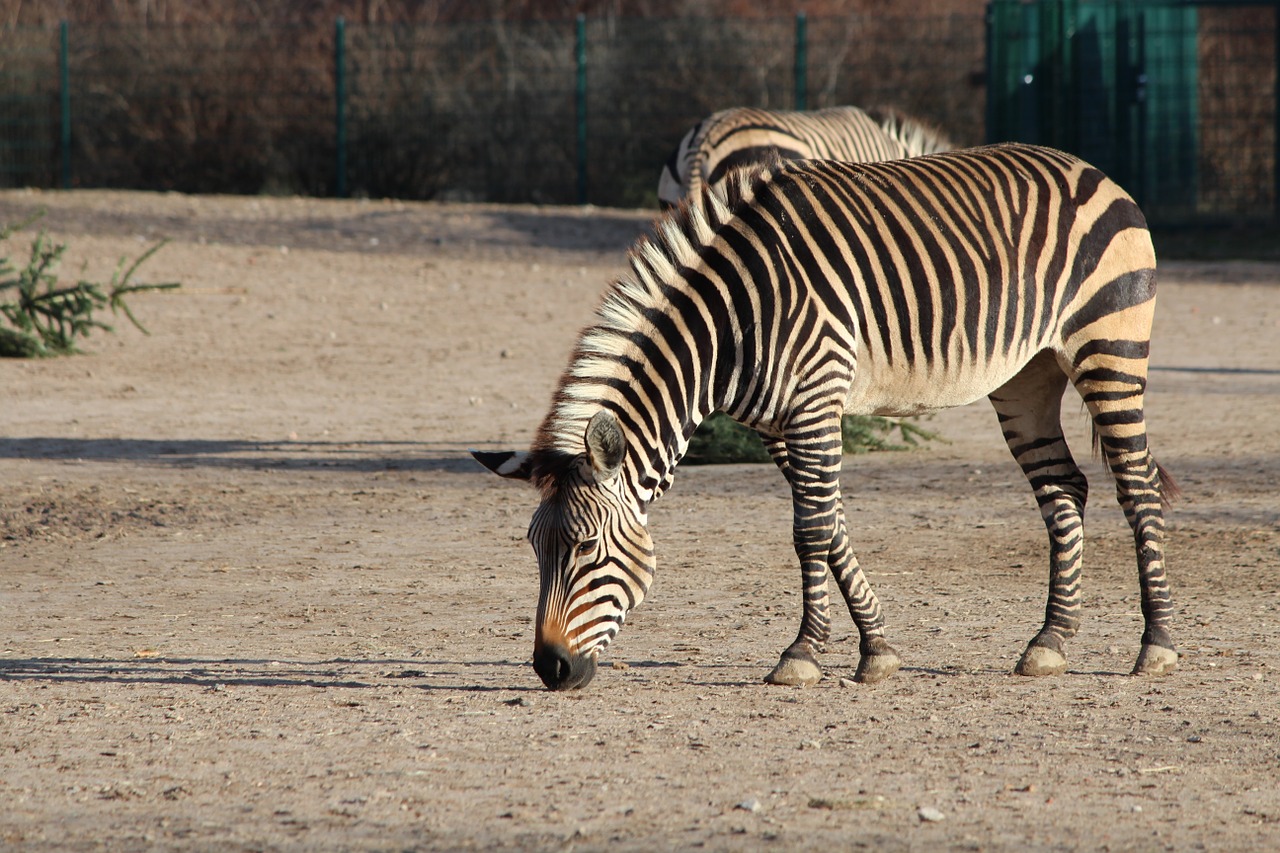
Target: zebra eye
{"points": [[586, 548]]}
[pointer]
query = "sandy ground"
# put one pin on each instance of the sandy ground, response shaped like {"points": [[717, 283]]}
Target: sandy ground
{"points": [[255, 596]]}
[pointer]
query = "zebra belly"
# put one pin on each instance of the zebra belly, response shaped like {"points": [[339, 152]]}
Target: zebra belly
{"points": [[899, 393]]}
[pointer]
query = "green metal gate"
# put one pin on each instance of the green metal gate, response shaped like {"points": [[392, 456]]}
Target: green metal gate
{"points": [[1114, 82]]}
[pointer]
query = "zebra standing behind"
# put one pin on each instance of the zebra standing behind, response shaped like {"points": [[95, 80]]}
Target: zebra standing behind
{"points": [[743, 136], [816, 288]]}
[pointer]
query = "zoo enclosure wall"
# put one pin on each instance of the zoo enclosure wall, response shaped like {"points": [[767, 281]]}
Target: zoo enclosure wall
{"points": [[1178, 101]]}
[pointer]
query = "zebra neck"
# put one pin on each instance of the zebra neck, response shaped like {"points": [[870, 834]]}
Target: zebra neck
{"points": [[657, 430], [652, 358], [654, 470]]}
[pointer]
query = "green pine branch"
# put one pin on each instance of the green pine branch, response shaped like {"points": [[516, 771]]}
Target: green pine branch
{"points": [[720, 439], [46, 317]]}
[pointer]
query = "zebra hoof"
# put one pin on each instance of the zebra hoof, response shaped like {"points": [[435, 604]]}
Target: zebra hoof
{"points": [[1155, 660], [878, 662], [795, 669], [1041, 660]]}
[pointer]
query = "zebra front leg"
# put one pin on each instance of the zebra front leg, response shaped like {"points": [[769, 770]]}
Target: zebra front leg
{"points": [[798, 665], [811, 464], [810, 460], [877, 659], [777, 449]]}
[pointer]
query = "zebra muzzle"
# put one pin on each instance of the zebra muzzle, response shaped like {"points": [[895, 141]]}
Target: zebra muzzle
{"points": [[561, 670]]}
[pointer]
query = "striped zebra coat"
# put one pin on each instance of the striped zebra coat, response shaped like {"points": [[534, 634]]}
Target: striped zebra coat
{"points": [[817, 288], [744, 136]]}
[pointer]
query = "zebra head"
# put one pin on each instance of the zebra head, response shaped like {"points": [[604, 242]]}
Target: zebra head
{"points": [[674, 182], [595, 556]]}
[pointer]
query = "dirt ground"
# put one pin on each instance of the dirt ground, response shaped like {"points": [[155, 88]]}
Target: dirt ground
{"points": [[255, 596]]}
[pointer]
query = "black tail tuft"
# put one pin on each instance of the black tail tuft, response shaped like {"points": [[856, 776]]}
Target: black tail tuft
{"points": [[1169, 490]]}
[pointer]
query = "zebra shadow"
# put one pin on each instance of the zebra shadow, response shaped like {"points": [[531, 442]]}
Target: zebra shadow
{"points": [[220, 674], [342, 456]]}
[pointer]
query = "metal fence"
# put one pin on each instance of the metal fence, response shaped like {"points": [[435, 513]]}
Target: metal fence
{"points": [[207, 109], [1177, 101], [557, 112], [587, 110]]}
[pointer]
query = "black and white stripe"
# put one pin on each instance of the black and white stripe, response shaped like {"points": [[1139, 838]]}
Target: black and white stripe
{"points": [[744, 136], [818, 288]]}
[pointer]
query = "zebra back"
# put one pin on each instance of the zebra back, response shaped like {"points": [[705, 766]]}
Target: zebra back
{"points": [[745, 136], [918, 137]]}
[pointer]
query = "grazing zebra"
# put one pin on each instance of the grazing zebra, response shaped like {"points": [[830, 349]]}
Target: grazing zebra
{"points": [[815, 288], [732, 139]]}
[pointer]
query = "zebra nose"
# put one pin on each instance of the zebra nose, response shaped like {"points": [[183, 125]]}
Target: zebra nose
{"points": [[560, 670]]}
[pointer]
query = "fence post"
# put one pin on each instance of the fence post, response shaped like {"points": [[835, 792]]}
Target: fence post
{"points": [[64, 103], [1003, 43], [580, 100], [340, 107], [802, 62], [1275, 157]]}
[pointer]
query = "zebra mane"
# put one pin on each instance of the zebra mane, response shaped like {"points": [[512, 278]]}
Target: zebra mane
{"points": [[918, 137], [655, 261]]}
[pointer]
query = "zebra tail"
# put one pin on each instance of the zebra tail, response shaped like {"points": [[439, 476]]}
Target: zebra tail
{"points": [[1170, 492]]}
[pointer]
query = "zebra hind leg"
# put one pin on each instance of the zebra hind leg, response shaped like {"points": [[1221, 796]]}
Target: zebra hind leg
{"points": [[1112, 388], [1142, 492], [1028, 407]]}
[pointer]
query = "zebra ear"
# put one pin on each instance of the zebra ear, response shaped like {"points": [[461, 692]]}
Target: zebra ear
{"points": [[605, 445], [514, 465]]}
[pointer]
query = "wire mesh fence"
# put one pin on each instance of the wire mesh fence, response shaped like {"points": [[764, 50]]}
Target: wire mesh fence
{"points": [[468, 112], [202, 109], [563, 111], [29, 108], [1239, 119]]}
